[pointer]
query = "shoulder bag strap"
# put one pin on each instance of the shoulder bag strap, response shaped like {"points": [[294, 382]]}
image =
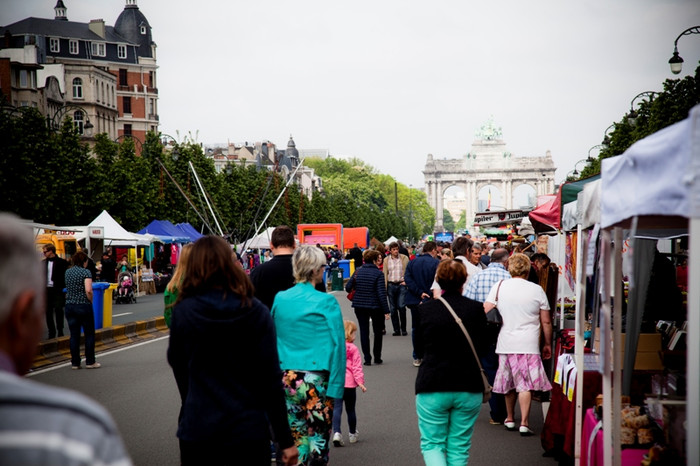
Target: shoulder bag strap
{"points": [[497, 290], [464, 330]]}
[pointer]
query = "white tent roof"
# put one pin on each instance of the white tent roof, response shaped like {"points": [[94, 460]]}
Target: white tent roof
{"points": [[115, 234], [653, 177], [390, 240], [262, 241], [588, 205]]}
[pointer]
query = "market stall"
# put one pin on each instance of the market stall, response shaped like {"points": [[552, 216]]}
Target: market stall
{"points": [[651, 191]]}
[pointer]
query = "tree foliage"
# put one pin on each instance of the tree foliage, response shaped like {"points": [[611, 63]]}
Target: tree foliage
{"points": [[670, 106], [53, 177]]}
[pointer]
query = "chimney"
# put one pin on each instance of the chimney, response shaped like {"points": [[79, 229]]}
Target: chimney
{"points": [[98, 27]]}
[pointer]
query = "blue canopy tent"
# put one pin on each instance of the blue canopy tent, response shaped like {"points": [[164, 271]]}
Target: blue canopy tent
{"points": [[166, 232], [189, 230]]}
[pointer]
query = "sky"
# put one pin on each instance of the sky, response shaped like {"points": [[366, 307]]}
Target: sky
{"points": [[391, 81]]}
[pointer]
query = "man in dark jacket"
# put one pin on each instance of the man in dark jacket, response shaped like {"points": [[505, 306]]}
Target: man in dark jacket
{"points": [[355, 254], [277, 274], [55, 268], [419, 277]]}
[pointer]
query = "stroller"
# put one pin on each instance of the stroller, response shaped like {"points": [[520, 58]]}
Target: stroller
{"points": [[125, 288]]}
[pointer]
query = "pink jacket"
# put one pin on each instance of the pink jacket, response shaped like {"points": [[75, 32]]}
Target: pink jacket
{"points": [[353, 366]]}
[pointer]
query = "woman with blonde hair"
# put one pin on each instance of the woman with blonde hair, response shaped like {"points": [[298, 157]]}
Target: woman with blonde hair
{"points": [[170, 293], [311, 345], [525, 309]]}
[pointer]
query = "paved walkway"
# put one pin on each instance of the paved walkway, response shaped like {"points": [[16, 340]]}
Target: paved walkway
{"points": [[388, 424]]}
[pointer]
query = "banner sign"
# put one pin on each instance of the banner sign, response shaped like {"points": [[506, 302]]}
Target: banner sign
{"points": [[96, 232], [446, 237], [499, 218]]}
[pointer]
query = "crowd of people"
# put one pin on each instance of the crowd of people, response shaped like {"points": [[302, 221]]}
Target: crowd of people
{"points": [[298, 368]]}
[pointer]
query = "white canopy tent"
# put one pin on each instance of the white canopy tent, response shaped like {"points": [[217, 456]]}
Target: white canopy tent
{"points": [[116, 235], [261, 241], [654, 185], [390, 240]]}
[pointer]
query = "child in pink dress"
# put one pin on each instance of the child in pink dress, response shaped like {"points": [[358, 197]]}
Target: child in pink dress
{"points": [[354, 377]]}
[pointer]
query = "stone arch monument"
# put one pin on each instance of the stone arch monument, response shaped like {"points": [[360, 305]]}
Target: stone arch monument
{"points": [[488, 162]]}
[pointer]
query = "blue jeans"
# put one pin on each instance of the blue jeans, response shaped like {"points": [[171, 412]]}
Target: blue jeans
{"points": [[446, 423], [350, 399], [397, 299], [80, 315]]}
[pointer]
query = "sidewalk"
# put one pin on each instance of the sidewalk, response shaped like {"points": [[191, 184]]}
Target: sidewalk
{"points": [[57, 350]]}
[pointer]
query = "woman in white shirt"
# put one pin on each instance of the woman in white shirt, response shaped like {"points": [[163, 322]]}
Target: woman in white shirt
{"points": [[525, 309]]}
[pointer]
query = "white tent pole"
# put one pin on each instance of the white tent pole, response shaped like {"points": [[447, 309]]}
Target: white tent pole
{"points": [[581, 256], [605, 280], [693, 342], [206, 199], [562, 257], [618, 297]]}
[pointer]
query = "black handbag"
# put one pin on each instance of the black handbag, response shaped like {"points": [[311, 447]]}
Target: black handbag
{"points": [[493, 317]]}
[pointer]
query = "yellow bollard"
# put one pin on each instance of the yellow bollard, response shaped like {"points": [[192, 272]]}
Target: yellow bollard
{"points": [[352, 267], [107, 306]]}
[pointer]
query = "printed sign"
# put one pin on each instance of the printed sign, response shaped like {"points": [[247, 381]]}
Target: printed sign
{"points": [[497, 218]]}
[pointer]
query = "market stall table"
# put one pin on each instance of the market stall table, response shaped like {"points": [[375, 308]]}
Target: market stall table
{"points": [[592, 441]]}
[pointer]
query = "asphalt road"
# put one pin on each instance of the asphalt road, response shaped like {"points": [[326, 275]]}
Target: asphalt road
{"points": [[136, 385]]}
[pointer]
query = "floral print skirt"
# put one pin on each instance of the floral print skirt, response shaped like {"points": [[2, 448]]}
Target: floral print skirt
{"points": [[520, 372], [310, 414]]}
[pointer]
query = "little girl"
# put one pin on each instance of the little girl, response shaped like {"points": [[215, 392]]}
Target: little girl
{"points": [[354, 377]]}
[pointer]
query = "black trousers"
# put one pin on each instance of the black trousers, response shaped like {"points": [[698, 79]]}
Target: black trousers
{"points": [[55, 303], [363, 317]]}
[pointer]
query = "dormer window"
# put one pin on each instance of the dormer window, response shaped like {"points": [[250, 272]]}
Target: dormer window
{"points": [[73, 47], [98, 49], [143, 30], [54, 45], [121, 51]]}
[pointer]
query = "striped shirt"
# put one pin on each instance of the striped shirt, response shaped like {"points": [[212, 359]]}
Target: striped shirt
{"points": [[47, 425]]}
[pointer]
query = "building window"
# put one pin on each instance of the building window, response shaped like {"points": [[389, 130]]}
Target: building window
{"points": [[73, 47], [127, 104], [127, 130], [152, 106], [23, 79], [54, 45], [122, 77], [98, 49], [77, 88], [78, 121], [143, 29], [121, 51]]}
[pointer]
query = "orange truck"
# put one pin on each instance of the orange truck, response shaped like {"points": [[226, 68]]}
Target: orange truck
{"points": [[63, 238]]}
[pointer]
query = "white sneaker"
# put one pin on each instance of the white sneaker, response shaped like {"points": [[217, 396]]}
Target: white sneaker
{"points": [[417, 362], [338, 439], [354, 437]]}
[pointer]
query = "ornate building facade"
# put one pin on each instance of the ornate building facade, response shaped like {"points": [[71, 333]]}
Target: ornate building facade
{"points": [[106, 74], [488, 163]]}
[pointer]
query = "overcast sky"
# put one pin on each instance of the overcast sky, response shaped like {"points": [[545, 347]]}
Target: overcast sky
{"points": [[390, 81]]}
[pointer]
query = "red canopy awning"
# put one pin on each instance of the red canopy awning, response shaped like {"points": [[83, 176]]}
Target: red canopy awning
{"points": [[547, 217]]}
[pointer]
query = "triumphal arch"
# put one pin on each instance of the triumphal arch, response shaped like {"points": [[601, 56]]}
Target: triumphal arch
{"points": [[488, 163]]}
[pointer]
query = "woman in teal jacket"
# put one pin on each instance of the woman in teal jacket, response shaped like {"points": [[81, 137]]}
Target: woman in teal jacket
{"points": [[311, 346]]}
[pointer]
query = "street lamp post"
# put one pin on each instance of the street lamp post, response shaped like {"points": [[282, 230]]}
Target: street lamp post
{"points": [[137, 142], [598, 146], [606, 137], [676, 62], [633, 115], [167, 140], [55, 124]]}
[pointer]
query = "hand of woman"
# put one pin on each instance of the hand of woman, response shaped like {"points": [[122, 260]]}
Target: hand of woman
{"points": [[387, 316], [547, 352], [362, 387], [290, 456]]}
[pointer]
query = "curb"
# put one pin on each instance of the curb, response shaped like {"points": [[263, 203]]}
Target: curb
{"points": [[57, 350]]}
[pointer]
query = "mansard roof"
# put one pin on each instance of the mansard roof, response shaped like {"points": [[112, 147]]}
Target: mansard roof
{"points": [[66, 29]]}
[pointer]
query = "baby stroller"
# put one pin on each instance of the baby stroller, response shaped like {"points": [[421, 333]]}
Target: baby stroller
{"points": [[125, 288]]}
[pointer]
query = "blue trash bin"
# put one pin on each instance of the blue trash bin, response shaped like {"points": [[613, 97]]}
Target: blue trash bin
{"points": [[344, 265], [98, 301]]}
